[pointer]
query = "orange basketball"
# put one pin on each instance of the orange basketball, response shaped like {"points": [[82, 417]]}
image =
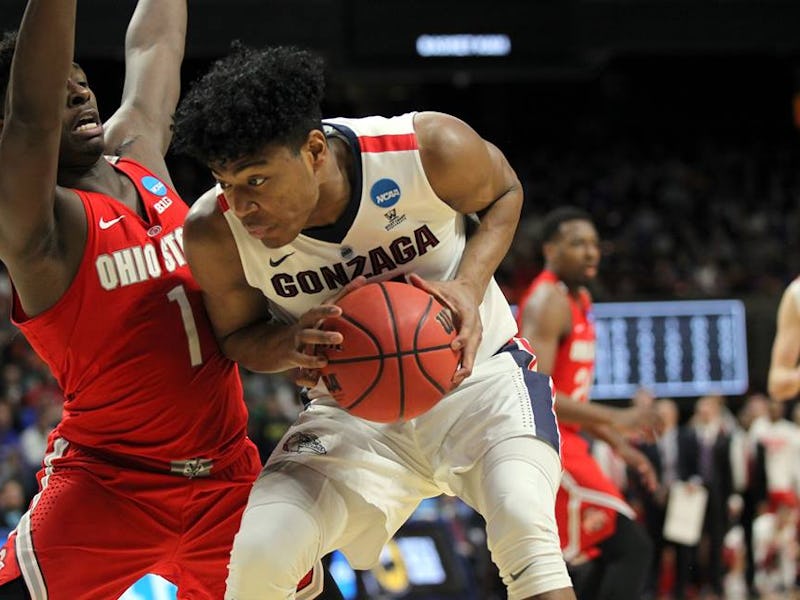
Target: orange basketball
{"points": [[395, 362]]}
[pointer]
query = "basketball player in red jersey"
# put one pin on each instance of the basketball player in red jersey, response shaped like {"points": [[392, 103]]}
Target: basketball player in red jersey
{"points": [[594, 521], [150, 468]]}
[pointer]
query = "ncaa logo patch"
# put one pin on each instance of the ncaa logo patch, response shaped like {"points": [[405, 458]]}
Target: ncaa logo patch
{"points": [[154, 185], [385, 193]]}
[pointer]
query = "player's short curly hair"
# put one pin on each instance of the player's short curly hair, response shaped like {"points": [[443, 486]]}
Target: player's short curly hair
{"points": [[8, 43], [248, 100], [551, 224]]}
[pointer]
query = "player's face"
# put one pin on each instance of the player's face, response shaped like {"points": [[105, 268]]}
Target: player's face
{"points": [[272, 192], [577, 251], [82, 131]]}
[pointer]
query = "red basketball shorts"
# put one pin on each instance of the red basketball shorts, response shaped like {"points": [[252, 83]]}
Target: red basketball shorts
{"points": [[95, 528], [587, 502]]}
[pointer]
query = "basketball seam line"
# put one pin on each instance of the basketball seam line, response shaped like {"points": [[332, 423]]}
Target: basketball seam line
{"points": [[396, 345], [375, 381], [420, 366], [341, 361]]}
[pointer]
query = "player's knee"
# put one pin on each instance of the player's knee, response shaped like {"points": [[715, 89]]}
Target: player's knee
{"points": [[521, 526], [523, 512], [528, 554], [276, 546]]}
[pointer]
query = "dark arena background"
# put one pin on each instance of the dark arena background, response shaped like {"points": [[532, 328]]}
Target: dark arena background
{"points": [[675, 123]]}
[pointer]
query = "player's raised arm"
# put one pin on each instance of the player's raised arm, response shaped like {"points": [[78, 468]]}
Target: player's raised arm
{"points": [[39, 85], [154, 47], [784, 374], [471, 176]]}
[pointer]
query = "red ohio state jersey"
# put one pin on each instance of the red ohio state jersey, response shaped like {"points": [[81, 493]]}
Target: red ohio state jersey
{"points": [[130, 343], [573, 369]]}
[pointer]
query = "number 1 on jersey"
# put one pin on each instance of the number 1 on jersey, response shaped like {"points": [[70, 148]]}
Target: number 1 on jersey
{"points": [[178, 294]]}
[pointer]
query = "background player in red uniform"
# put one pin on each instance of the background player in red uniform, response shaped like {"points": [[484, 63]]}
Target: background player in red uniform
{"points": [[594, 521], [150, 468]]}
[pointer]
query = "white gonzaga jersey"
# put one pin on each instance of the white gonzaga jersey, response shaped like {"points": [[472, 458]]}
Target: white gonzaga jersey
{"points": [[394, 225]]}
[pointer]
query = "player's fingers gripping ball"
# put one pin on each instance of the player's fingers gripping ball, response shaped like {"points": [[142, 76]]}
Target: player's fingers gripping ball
{"points": [[395, 362]]}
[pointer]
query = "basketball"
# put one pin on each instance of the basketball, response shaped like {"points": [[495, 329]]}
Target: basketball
{"points": [[395, 361]]}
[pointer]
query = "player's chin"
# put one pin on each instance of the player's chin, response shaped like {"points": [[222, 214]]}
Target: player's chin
{"points": [[277, 236], [81, 153]]}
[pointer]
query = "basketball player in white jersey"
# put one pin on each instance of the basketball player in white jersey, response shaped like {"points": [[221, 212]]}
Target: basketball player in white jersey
{"points": [[302, 210], [784, 372]]}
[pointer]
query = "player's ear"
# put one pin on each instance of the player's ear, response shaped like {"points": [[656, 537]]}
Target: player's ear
{"points": [[548, 250], [317, 146]]}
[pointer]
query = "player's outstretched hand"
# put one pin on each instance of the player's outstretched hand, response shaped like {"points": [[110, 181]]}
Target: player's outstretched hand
{"points": [[643, 420], [463, 300]]}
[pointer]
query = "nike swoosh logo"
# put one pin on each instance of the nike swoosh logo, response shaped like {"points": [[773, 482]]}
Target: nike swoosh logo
{"points": [[518, 574], [106, 224], [275, 263]]}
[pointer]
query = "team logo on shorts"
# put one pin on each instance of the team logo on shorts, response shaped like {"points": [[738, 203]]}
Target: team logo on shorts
{"points": [[385, 193], [154, 185], [304, 443]]}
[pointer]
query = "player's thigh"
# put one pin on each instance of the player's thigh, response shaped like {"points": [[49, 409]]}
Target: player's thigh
{"points": [[342, 517], [85, 537], [500, 401], [212, 516], [283, 490]]}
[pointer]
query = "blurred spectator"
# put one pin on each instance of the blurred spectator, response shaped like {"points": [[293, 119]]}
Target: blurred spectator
{"points": [[663, 454], [781, 440], [9, 433], [706, 450], [12, 504], [776, 551], [33, 440], [273, 405], [749, 479]]}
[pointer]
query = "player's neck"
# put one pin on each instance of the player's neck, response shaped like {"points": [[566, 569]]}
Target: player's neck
{"points": [[97, 177], [573, 287], [101, 178]]}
